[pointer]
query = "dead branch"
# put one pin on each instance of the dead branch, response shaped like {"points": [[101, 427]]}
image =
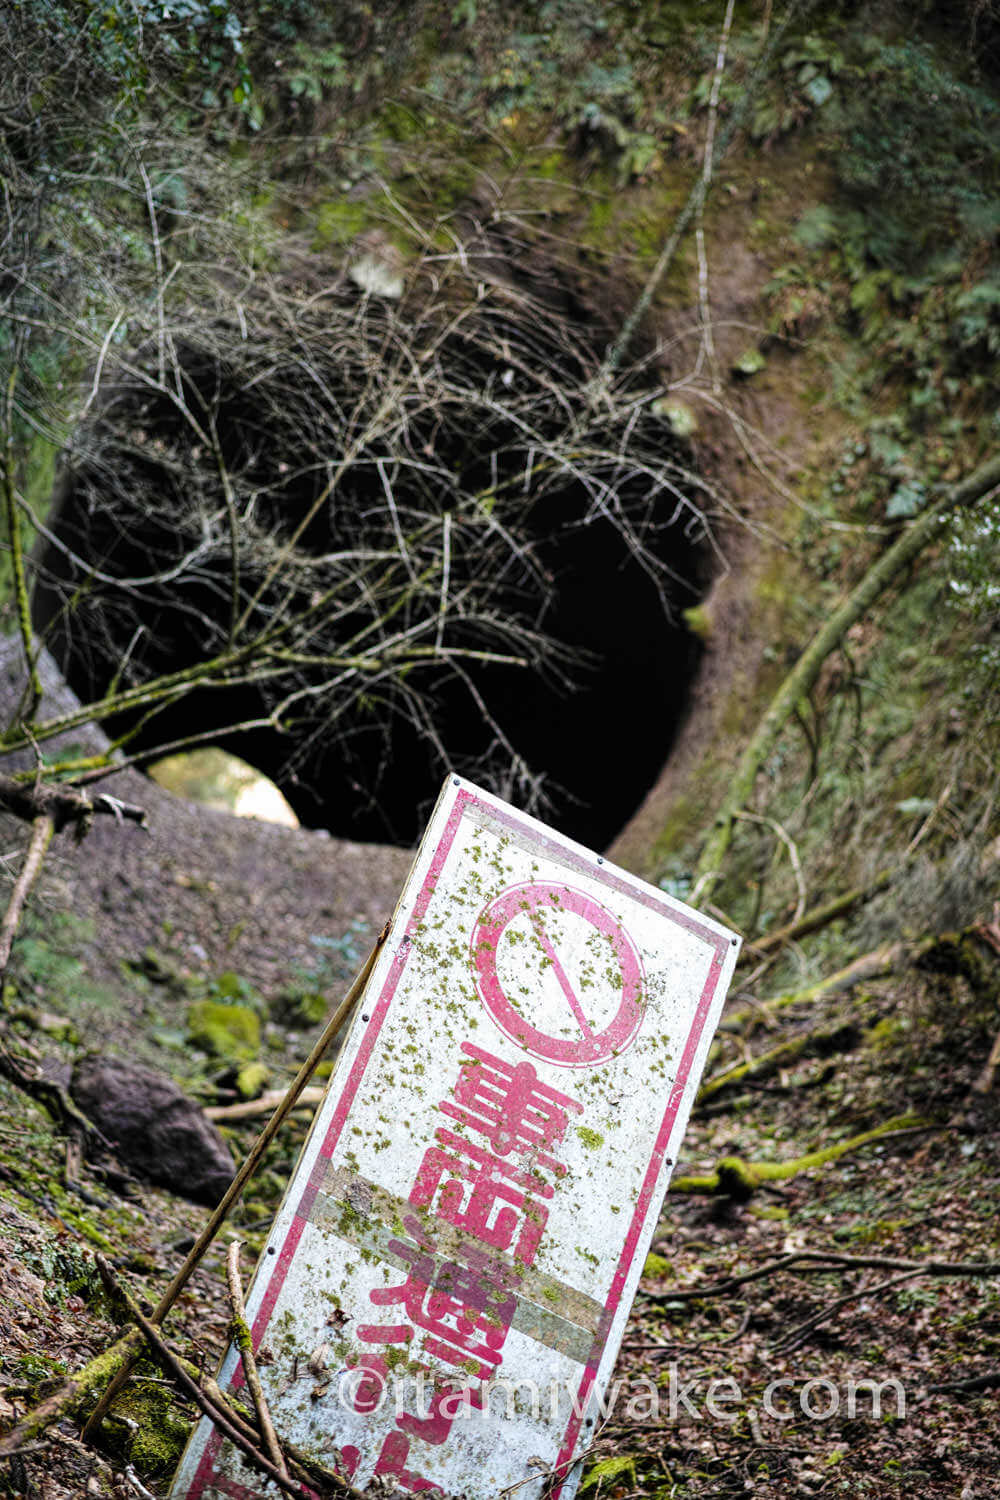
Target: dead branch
{"points": [[214, 1401], [249, 1109], [842, 1037], [42, 829], [191, 1388], [822, 1262], [793, 854], [62, 804], [970, 1383], [812, 921], [796, 1337], [243, 1340], [696, 198], [873, 965], [800, 680]]}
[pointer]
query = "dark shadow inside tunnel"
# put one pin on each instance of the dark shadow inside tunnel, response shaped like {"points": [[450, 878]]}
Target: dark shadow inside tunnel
{"points": [[590, 726]]}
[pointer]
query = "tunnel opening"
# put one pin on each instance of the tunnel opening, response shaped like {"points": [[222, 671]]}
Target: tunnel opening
{"points": [[385, 541]]}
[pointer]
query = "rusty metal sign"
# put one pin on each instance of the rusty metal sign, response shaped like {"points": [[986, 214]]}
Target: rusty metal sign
{"points": [[445, 1287]]}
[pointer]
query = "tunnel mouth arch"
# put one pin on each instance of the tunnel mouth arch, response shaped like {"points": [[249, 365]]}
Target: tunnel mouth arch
{"points": [[451, 552]]}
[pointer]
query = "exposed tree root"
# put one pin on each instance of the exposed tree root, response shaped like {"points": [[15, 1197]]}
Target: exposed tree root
{"points": [[740, 1179], [813, 920], [840, 1038], [873, 965]]}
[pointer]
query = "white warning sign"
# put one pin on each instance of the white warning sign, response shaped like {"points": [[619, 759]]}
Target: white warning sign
{"points": [[443, 1293]]}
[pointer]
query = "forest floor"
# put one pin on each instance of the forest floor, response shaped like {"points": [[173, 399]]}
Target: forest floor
{"points": [[891, 1390]]}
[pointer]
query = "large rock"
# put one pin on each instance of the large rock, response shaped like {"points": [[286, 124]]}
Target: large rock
{"points": [[156, 1129]]}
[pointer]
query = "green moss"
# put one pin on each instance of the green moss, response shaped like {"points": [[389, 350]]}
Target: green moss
{"points": [[590, 1138], [251, 1079], [656, 1268], [230, 1032], [34, 1371], [38, 471], [144, 1428], [698, 621], [298, 1007], [338, 221]]}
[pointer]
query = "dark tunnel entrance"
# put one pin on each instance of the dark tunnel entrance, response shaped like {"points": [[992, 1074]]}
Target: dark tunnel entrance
{"points": [[601, 549]]}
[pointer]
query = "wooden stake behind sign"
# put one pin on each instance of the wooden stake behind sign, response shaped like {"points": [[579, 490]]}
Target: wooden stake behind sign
{"points": [[445, 1287]]}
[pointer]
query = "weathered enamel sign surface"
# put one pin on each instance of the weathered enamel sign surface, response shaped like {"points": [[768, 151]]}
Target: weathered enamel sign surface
{"points": [[445, 1287]]}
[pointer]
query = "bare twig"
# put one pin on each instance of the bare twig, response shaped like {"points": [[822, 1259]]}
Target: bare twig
{"points": [[696, 199], [971, 1383], [822, 1262], [793, 855], [62, 804], [796, 1337], [817, 917], [42, 829], [221, 1419], [248, 1109], [244, 1342]]}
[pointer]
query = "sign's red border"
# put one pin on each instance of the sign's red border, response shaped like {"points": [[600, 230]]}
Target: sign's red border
{"points": [[569, 858]]}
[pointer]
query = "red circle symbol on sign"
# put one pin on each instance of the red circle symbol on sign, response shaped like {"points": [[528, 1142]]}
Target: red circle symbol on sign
{"points": [[540, 905]]}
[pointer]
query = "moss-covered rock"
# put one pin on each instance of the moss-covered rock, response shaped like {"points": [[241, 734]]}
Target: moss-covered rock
{"points": [[251, 1079], [230, 1032], [299, 1007]]}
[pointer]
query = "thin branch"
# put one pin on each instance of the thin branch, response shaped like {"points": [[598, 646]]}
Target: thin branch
{"points": [[62, 804], [980, 486], [796, 1337], [985, 1382], [695, 201], [822, 1262], [243, 1340], [817, 917], [793, 855], [248, 1109], [220, 1418], [42, 829], [17, 551]]}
